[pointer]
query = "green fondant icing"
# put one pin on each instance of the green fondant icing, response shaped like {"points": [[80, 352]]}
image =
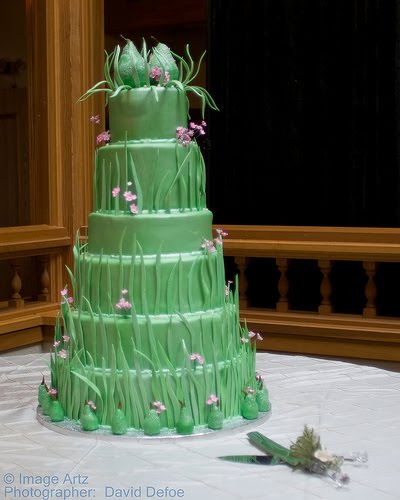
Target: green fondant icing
{"points": [[174, 287], [185, 423], [119, 423], [262, 399], [249, 407], [89, 420], [56, 412], [147, 113], [216, 418], [152, 425]]}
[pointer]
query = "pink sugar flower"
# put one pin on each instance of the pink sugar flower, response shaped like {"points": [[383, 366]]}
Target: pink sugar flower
{"points": [[103, 137], [155, 73], [56, 343], [129, 196], [63, 354], [70, 300], [66, 338], [115, 191], [134, 209], [222, 233], [95, 119], [208, 245], [64, 292], [123, 304], [243, 340], [212, 399], [197, 357], [124, 291], [53, 392], [256, 335], [91, 405], [160, 406]]}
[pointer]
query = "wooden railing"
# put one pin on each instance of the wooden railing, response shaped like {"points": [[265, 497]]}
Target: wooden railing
{"points": [[324, 331], [35, 256]]}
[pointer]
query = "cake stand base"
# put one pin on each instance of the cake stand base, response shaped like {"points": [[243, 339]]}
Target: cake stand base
{"points": [[233, 425]]}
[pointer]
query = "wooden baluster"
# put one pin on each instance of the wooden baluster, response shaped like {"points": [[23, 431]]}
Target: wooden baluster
{"points": [[283, 285], [16, 285], [44, 294], [242, 263], [325, 267], [370, 289]]}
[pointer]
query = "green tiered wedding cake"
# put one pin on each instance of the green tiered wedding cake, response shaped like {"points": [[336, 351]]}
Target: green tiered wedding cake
{"points": [[150, 324]]}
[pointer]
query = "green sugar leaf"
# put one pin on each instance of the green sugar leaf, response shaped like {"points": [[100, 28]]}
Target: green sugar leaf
{"points": [[162, 57], [132, 66]]}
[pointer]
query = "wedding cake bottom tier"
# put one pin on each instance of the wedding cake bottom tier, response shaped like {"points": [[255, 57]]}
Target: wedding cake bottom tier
{"points": [[135, 390]]}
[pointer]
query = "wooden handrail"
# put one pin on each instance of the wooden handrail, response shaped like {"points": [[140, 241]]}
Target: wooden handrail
{"points": [[307, 242], [32, 240], [325, 332]]}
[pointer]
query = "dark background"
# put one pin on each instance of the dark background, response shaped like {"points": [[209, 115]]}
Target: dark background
{"points": [[307, 132]]}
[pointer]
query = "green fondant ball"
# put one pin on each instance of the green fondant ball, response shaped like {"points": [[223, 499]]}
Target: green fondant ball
{"points": [[57, 413], [89, 420], [185, 423], [249, 407], [215, 419], [151, 424], [262, 400], [119, 424]]}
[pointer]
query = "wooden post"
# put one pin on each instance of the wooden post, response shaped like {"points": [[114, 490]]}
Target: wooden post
{"points": [[283, 285], [370, 289], [242, 263], [44, 294], [325, 267], [16, 284]]}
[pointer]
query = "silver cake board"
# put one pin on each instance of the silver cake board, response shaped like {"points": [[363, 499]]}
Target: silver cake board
{"points": [[72, 427]]}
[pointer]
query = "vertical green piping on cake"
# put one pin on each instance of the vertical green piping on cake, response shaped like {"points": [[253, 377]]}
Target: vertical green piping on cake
{"points": [[167, 202], [113, 382], [96, 180], [136, 327], [220, 273], [99, 277], [158, 277], [131, 277], [117, 184], [103, 203], [104, 416], [190, 283], [212, 281], [92, 327], [180, 284], [138, 188], [152, 205], [126, 162], [129, 386], [203, 181], [142, 396], [103, 337], [171, 296], [157, 203], [205, 288], [176, 395], [143, 281]]}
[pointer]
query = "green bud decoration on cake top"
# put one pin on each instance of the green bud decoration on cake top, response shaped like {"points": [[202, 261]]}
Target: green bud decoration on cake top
{"points": [[249, 405], [89, 420], [159, 66], [185, 423]]}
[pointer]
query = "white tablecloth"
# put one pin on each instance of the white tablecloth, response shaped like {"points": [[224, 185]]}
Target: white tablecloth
{"points": [[353, 407]]}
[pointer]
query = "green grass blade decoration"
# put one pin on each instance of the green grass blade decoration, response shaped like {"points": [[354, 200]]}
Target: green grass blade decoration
{"points": [[88, 383]]}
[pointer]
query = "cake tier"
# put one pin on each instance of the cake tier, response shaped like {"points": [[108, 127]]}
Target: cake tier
{"points": [[163, 174], [134, 360], [147, 113], [156, 284], [148, 234], [162, 340]]}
